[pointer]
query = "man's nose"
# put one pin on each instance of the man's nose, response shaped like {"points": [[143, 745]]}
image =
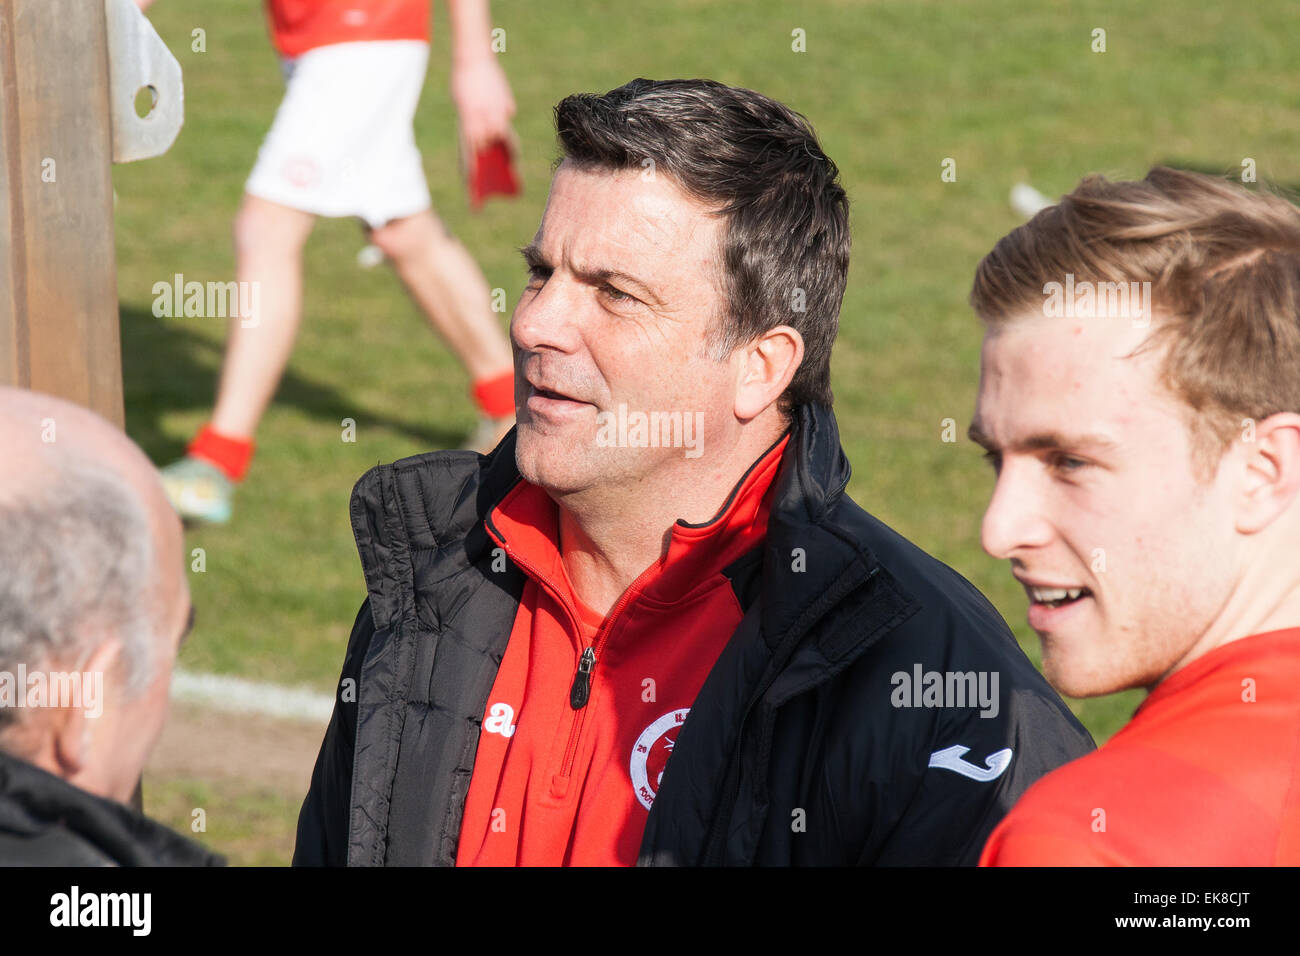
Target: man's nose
{"points": [[1015, 519], [545, 319]]}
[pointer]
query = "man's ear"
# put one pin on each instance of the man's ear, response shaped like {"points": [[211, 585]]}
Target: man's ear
{"points": [[75, 731], [1271, 480], [766, 366]]}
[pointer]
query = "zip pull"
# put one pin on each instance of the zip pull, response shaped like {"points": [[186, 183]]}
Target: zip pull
{"points": [[581, 688]]}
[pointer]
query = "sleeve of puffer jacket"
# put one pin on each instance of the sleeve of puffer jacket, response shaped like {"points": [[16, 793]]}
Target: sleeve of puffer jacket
{"points": [[979, 766], [323, 821]]}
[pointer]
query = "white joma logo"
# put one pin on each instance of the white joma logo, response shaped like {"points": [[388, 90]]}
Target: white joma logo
{"points": [[950, 759]]}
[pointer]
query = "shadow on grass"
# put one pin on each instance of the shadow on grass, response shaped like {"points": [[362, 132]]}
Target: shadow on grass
{"points": [[168, 367]]}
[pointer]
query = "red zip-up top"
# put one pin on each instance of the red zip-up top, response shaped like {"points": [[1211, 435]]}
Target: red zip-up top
{"points": [[1207, 773], [558, 784]]}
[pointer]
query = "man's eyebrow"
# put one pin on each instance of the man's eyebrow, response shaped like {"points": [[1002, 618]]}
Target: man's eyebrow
{"points": [[534, 259], [1046, 440], [1042, 441]]}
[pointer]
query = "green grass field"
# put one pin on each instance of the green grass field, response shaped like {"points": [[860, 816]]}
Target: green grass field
{"points": [[1008, 90]]}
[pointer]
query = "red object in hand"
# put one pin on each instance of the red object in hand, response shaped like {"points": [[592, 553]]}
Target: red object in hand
{"points": [[492, 174]]}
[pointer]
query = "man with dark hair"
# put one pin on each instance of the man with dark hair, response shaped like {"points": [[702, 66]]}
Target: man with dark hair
{"points": [[650, 627]]}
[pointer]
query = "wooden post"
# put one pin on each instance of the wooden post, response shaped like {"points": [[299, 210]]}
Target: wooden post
{"points": [[59, 329], [58, 285]]}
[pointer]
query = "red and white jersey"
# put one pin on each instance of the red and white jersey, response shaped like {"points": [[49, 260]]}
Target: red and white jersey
{"points": [[301, 25]]}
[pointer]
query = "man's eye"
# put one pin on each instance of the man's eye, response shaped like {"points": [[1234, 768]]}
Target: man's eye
{"points": [[538, 275], [615, 295], [1067, 463]]}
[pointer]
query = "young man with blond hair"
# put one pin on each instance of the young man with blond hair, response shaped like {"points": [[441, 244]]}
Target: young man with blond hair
{"points": [[1145, 432]]}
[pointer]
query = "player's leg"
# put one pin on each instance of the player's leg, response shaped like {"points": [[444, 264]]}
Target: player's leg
{"points": [[438, 272], [448, 286], [287, 188], [269, 239]]}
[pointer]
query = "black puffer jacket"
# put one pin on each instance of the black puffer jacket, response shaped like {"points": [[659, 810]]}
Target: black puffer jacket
{"points": [[796, 751], [46, 821]]}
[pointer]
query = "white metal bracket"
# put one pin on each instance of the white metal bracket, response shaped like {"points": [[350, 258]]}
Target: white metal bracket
{"points": [[138, 60]]}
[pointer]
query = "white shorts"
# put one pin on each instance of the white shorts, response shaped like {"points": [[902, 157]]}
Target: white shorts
{"points": [[342, 143]]}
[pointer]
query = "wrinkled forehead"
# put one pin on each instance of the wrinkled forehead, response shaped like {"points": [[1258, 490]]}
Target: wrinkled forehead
{"points": [[627, 218]]}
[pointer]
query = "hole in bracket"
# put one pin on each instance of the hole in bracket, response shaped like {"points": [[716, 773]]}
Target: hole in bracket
{"points": [[146, 98]]}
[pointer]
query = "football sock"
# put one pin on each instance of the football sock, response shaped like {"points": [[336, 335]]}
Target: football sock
{"points": [[231, 455], [496, 396]]}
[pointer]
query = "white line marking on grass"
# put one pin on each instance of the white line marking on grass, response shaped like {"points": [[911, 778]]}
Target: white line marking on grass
{"points": [[222, 692]]}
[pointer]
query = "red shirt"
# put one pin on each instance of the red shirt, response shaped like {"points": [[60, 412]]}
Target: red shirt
{"points": [[553, 785], [301, 25], [1207, 773]]}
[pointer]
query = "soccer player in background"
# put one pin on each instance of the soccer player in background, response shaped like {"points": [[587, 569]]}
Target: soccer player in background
{"points": [[1140, 403], [342, 144]]}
